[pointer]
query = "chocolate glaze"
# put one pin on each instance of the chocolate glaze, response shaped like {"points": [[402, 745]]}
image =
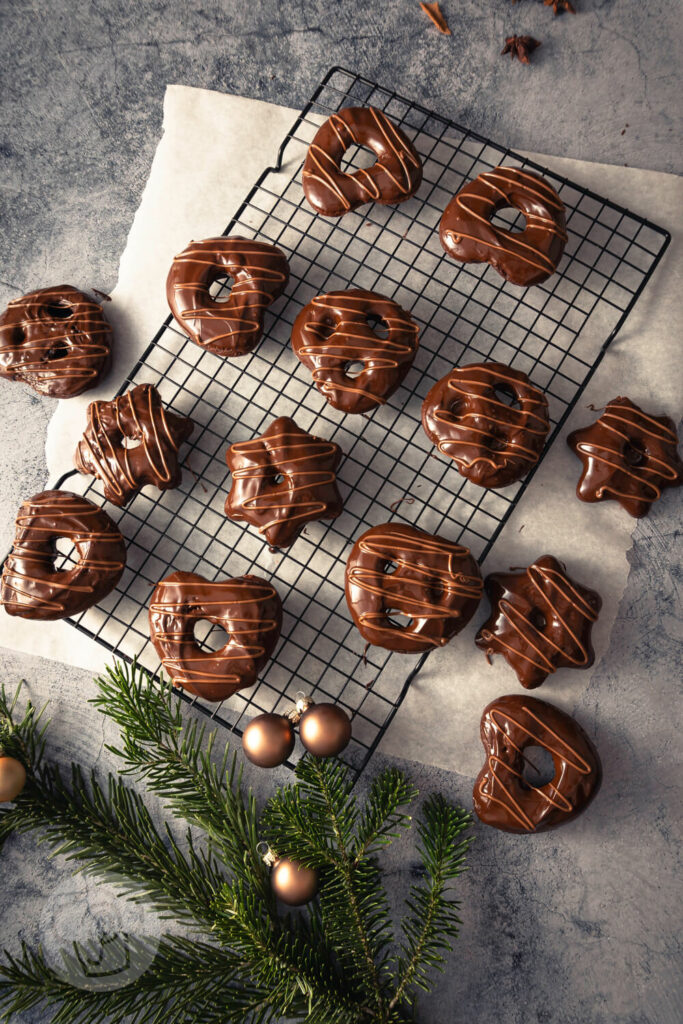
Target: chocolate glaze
{"points": [[502, 797], [139, 416], [31, 587], [491, 443], [628, 456], [308, 490], [540, 621], [333, 331], [56, 340], [522, 257], [249, 610], [435, 582], [395, 175], [233, 328]]}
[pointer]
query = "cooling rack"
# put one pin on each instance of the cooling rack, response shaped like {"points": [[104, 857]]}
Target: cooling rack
{"points": [[556, 332]]}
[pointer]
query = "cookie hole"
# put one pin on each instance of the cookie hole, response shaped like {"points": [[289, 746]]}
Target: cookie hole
{"points": [[220, 288], [357, 157], [60, 310], [278, 478], [378, 326], [130, 442], [509, 218], [209, 636], [537, 619], [56, 352], [506, 395], [353, 370], [398, 620], [66, 555], [390, 568], [634, 453], [539, 767]]}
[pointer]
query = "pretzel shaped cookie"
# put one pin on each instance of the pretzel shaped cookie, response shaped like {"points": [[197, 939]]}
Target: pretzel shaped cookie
{"points": [[396, 569], [492, 442], [56, 340], [395, 175], [628, 456], [259, 272], [522, 257], [249, 610], [503, 798], [334, 332]]}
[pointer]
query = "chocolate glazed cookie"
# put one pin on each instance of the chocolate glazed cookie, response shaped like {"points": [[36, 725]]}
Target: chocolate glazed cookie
{"points": [[396, 569], [628, 456], [249, 610], [335, 331], [260, 273], [56, 340], [31, 586], [492, 442], [307, 490], [395, 175], [522, 257], [157, 434], [540, 621], [502, 796]]}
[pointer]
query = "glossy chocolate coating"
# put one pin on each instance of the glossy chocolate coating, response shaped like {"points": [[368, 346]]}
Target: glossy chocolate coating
{"points": [[521, 257], [628, 456], [139, 416], [56, 340], [259, 273], [540, 621], [333, 331], [308, 489], [434, 582], [31, 588], [502, 797], [249, 610], [492, 443], [395, 175]]}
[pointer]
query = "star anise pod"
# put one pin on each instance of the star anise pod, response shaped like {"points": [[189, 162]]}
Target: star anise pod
{"points": [[560, 5], [520, 47]]}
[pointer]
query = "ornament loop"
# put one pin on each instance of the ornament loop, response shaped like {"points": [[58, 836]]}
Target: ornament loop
{"points": [[265, 853], [303, 703]]}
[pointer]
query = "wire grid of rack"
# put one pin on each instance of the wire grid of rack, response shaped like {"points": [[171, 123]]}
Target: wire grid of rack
{"points": [[556, 332]]}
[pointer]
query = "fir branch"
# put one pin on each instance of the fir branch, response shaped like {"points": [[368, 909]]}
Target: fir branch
{"points": [[383, 815], [24, 739]]}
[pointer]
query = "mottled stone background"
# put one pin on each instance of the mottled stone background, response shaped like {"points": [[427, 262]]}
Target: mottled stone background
{"points": [[572, 927]]}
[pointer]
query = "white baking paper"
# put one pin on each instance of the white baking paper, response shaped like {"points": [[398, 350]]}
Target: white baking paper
{"points": [[438, 722]]}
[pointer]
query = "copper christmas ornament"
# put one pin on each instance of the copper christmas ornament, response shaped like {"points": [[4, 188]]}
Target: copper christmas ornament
{"points": [[12, 779], [325, 730], [292, 883], [268, 740]]}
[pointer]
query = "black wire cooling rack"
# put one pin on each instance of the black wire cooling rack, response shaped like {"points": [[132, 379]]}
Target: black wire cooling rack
{"points": [[556, 332]]}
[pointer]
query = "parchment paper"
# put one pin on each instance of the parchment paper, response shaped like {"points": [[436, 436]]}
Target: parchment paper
{"points": [[183, 200]]}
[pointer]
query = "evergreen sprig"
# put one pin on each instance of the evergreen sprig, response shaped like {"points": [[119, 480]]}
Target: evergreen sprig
{"points": [[338, 962]]}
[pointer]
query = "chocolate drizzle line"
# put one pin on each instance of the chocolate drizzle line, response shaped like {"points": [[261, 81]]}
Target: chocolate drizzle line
{"points": [[604, 450], [56, 340], [31, 587], [523, 257], [137, 415], [308, 491], [233, 328], [249, 610]]}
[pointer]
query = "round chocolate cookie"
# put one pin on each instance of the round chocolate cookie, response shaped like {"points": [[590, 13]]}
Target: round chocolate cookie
{"points": [[493, 442], [341, 330], [507, 800], [541, 620], [282, 480], [56, 340], [31, 586], [152, 458], [259, 272], [522, 257], [249, 610], [397, 570], [628, 456], [395, 175]]}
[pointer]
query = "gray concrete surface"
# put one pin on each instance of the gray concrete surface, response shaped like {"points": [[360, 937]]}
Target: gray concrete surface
{"points": [[572, 927]]}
